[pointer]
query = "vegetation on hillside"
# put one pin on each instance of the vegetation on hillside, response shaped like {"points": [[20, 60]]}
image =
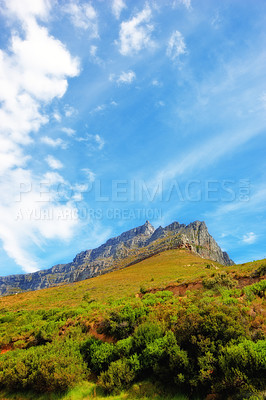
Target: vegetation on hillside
{"points": [[197, 342]]}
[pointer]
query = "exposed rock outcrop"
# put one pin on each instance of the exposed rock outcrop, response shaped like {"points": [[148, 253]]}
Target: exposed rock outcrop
{"points": [[127, 249]]}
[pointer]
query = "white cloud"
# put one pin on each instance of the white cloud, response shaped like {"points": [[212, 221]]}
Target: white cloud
{"points": [[89, 174], [69, 131], [69, 111], [117, 7], [93, 50], [99, 140], [27, 216], [124, 77], [57, 117], [99, 108], [94, 56], [27, 9], [135, 34], [186, 3], [83, 16], [250, 238], [53, 178], [53, 142], [155, 82], [53, 162], [176, 46], [92, 140]]}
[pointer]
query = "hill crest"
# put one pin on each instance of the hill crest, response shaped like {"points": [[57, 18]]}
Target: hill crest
{"points": [[126, 249]]}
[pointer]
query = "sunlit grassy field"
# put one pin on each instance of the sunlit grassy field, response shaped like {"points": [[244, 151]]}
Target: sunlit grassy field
{"points": [[169, 267]]}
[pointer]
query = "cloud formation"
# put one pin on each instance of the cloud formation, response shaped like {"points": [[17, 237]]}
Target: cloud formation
{"points": [[117, 7], [83, 16], [124, 77], [176, 46], [33, 72], [250, 238], [135, 34], [53, 162], [53, 142]]}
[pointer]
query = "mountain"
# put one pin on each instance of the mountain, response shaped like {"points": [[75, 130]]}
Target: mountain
{"points": [[129, 248]]}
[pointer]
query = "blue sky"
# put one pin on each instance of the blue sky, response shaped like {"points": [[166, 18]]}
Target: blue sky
{"points": [[114, 112]]}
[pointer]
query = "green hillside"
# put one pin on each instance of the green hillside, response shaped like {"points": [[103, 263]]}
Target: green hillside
{"points": [[173, 323]]}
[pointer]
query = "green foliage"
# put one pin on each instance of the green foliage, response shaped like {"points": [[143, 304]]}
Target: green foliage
{"points": [[257, 289], [50, 368], [220, 279], [260, 271], [160, 297], [98, 355], [244, 365], [145, 334], [202, 342], [120, 324], [119, 374]]}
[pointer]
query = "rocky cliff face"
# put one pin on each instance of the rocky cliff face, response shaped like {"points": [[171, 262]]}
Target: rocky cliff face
{"points": [[126, 249]]}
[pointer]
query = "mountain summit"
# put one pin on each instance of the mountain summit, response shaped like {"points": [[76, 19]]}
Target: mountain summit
{"points": [[126, 249]]}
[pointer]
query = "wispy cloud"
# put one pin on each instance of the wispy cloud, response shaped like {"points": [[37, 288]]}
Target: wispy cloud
{"points": [[99, 108], [69, 111], [53, 162], [135, 34], [83, 16], [93, 141], [124, 77], [186, 3], [117, 7], [204, 155], [89, 174], [255, 203], [250, 238], [69, 131], [94, 56], [176, 46], [54, 142]]}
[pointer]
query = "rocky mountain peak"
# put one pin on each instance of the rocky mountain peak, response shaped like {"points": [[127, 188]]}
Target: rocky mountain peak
{"points": [[137, 243]]}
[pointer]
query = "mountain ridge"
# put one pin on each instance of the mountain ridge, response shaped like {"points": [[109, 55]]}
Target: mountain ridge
{"points": [[130, 247]]}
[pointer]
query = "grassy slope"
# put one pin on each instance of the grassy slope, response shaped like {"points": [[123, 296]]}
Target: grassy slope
{"points": [[172, 266]]}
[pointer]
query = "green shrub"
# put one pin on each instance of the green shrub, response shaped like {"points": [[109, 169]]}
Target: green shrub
{"points": [[257, 289], [124, 347], [121, 324], [50, 368], [243, 365], [160, 297], [119, 374], [98, 354], [165, 358], [145, 334], [220, 279]]}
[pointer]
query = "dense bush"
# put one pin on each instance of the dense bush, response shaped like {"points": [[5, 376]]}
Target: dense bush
{"points": [[203, 342], [50, 368], [98, 355], [220, 279], [257, 289], [243, 365], [120, 373], [121, 324]]}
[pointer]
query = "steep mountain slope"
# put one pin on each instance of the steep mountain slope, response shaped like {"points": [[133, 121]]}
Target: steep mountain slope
{"points": [[128, 248]]}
